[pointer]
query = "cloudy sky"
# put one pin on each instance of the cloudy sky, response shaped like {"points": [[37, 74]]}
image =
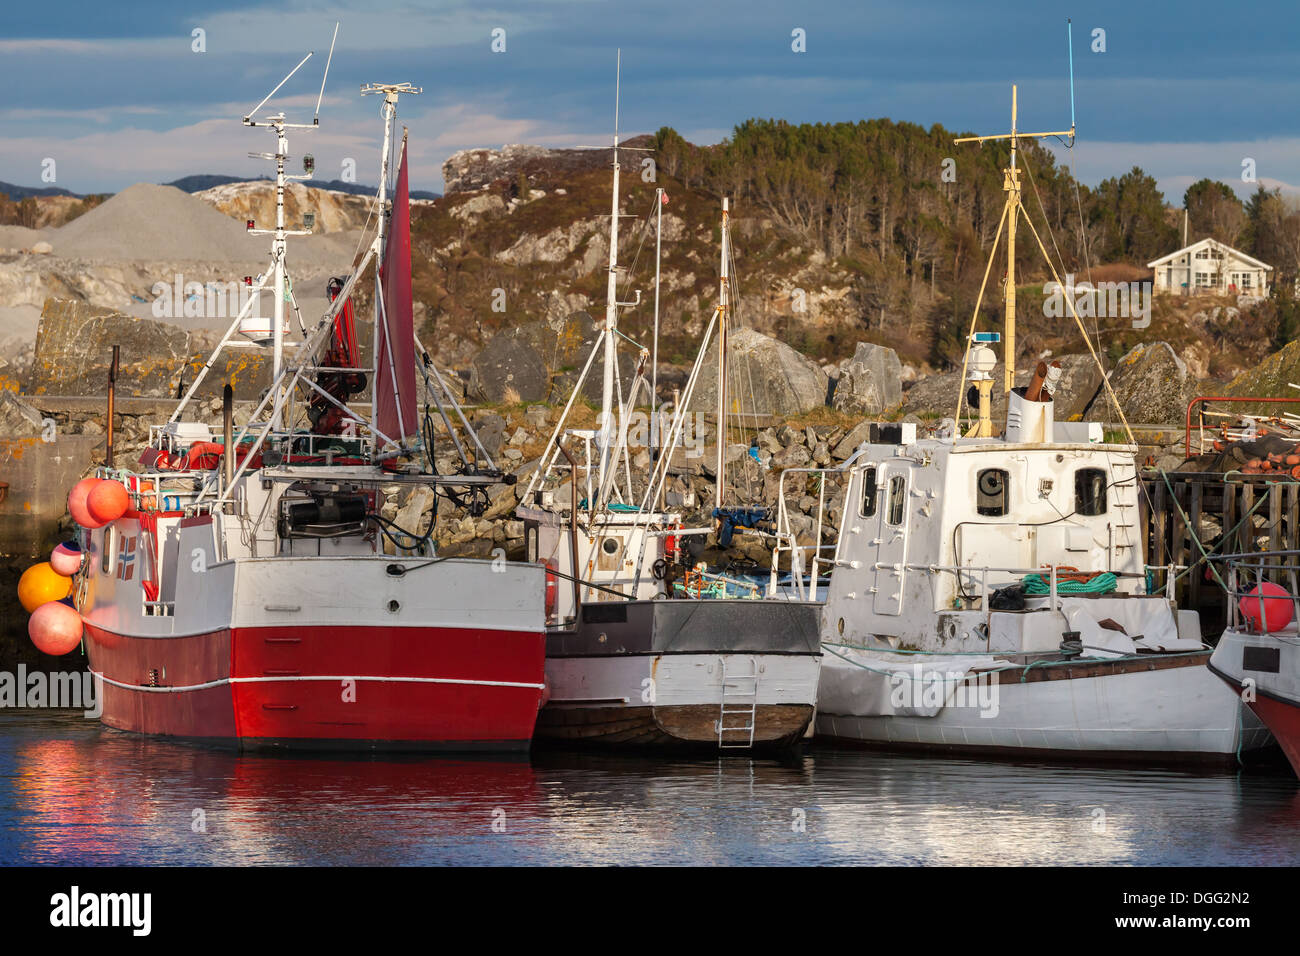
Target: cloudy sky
{"points": [[116, 93]]}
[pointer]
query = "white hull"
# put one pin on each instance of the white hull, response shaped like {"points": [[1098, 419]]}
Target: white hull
{"points": [[1179, 712]]}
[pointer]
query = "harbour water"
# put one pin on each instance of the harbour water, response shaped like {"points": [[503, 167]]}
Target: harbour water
{"points": [[74, 792]]}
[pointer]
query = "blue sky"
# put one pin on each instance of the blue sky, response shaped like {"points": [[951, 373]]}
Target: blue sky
{"points": [[115, 94]]}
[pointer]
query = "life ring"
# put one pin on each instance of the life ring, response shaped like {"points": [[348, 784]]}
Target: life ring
{"points": [[552, 587], [197, 458]]}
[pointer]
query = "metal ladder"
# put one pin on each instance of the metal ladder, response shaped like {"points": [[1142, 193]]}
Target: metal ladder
{"points": [[739, 704]]}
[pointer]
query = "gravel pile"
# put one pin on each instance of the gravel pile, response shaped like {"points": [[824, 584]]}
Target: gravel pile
{"points": [[148, 223]]}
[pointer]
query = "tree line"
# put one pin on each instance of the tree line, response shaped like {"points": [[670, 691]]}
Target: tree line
{"points": [[912, 214]]}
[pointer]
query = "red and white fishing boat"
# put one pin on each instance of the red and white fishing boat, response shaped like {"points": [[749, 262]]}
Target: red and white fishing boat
{"points": [[254, 594], [1259, 652]]}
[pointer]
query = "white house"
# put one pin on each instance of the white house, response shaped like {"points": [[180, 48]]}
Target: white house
{"points": [[1209, 266]]}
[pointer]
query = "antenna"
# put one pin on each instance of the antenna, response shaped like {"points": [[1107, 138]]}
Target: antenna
{"points": [[328, 60], [277, 87], [618, 75], [1069, 42]]}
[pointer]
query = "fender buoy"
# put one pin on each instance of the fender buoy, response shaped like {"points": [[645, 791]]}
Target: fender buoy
{"points": [[77, 503], [41, 584], [67, 558], [107, 501], [1268, 607], [55, 628]]}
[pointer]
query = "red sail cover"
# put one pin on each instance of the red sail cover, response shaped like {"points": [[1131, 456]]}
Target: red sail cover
{"points": [[395, 337]]}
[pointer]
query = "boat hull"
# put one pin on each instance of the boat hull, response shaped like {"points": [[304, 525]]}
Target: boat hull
{"points": [[1157, 709], [343, 687], [653, 674], [1271, 664]]}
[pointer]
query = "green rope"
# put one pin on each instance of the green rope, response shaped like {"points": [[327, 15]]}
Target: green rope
{"points": [[1036, 585]]}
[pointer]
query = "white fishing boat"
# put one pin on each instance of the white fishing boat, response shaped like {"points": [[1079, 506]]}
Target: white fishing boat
{"points": [[988, 592], [631, 659]]}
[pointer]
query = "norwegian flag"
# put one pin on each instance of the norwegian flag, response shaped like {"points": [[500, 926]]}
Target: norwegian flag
{"points": [[126, 559]]}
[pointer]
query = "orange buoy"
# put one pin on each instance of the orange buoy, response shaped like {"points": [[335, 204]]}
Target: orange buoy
{"points": [[107, 501], [77, 503], [40, 584], [67, 558], [55, 628]]}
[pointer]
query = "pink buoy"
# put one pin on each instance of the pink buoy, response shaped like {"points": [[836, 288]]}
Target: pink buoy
{"points": [[1268, 607], [77, 503], [67, 558], [55, 628], [107, 501]]}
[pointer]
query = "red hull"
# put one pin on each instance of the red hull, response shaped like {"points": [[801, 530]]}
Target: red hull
{"points": [[1282, 718], [356, 688]]}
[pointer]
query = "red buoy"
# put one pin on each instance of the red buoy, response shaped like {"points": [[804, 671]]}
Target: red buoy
{"points": [[1268, 607], [77, 503], [67, 558], [55, 628], [107, 501]]}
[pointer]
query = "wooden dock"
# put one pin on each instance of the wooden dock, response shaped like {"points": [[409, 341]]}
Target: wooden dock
{"points": [[1189, 514]]}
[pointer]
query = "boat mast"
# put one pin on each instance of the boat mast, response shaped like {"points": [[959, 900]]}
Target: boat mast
{"points": [[391, 92], [723, 304], [654, 356], [607, 429], [1011, 185], [279, 234]]}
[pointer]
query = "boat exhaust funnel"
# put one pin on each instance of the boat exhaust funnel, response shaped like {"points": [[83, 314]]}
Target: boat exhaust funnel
{"points": [[1030, 410]]}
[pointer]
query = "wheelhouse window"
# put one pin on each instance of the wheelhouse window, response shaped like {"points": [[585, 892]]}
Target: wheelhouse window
{"points": [[991, 493], [897, 500], [1090, 492], [870, 492]]}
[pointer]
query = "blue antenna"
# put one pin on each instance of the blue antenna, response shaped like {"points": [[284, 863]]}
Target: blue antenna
{"points": [[1069, 34]]}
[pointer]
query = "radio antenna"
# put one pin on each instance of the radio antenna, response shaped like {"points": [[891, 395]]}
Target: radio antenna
{"points": [[1069, 42], [330, 59], [278, 85]]}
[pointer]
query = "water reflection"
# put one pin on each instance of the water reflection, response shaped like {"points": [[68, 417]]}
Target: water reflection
{"points": [[74, 792]]}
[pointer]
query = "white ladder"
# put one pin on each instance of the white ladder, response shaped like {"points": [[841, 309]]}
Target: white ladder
{"points": [[739, 707]]}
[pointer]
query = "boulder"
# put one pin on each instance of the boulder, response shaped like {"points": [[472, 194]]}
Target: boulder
{"points": [[936, 395], [849, 443], [74, 348], [871, 383], [541, 361], [490, 428], [1079, 384], [18, 419], [777, 380], [1151, 384]]}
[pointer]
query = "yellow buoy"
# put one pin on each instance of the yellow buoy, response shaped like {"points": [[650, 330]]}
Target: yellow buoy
{"points": [[41, 583]]}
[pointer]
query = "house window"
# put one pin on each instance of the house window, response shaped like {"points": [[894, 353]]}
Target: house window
{"points": [[870, 491], [991, 492], [897, 499], [1205, 280], [1245, 280], [1090, 492]]}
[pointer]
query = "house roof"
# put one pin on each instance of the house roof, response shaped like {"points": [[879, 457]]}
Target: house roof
{"points": [[1213, 243]]}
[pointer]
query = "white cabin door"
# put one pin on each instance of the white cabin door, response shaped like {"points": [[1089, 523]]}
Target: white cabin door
{"points": [[892, 530]]}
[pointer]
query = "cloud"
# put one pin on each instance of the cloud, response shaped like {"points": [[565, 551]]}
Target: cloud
{"points": [[1176, 165]]}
